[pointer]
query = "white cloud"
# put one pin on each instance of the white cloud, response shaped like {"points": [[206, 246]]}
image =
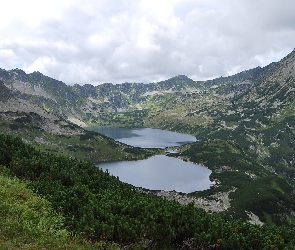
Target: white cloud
{"points": [[43, 64], [143, 40], [8, 59]]}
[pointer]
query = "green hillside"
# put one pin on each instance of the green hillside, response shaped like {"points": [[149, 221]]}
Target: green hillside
{"points": [[29, 222], [98, 207]]}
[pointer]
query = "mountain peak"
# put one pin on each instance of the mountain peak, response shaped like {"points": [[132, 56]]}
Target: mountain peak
{"points": [[18, 71], [284, 69]]}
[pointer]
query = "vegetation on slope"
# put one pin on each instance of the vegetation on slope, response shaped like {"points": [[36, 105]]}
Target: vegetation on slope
{"points": [[244, 122], [66, 138], [265, 194], [29, 222], [99, 207]]}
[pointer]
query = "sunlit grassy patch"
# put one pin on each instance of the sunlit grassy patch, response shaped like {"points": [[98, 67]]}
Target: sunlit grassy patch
{"points": [[28, 222]]}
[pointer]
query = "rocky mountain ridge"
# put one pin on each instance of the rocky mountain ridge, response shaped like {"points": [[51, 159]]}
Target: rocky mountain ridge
{"points": [[80, 103]]}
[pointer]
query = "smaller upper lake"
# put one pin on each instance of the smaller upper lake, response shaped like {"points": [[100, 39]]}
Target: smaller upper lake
{"points": [[145, 137]]}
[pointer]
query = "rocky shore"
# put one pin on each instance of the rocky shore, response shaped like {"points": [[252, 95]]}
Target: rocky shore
{"points": [[214, 203]]}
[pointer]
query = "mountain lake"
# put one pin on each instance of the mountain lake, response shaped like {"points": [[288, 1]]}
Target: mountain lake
{"points": [[158, 172], [145, 137]]}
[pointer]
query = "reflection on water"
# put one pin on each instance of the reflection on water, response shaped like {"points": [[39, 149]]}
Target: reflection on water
{"points": [[161, 173]]}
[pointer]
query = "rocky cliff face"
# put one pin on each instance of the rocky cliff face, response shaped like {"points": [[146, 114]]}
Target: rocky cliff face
{"points": [[4, 92]]}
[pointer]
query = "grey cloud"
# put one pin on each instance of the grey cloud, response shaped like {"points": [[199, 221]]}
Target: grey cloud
{"points": [[117, 41]]}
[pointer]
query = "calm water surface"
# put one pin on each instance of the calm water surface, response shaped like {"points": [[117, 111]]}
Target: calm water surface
{"points": [[158, 172], [145, 137], [161, 173]]}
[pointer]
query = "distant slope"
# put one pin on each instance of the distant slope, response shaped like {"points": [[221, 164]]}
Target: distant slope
{"points": [[79, 104], [4, 92], [54, 134], [57, 135]]}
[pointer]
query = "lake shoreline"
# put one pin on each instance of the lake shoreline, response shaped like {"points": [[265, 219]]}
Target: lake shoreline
{"points": [[161, 172]]}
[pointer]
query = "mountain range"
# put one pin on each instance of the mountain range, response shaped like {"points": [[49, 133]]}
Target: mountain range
{"points": [[244, 122]]}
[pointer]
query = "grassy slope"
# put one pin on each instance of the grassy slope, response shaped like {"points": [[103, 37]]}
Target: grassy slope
{"points": [[28, 221]]}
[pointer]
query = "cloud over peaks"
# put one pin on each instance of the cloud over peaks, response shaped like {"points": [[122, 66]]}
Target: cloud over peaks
{"points": [[143, 41]]}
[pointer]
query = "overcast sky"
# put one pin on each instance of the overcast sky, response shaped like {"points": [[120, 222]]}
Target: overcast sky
{"points": [[96, 41]]}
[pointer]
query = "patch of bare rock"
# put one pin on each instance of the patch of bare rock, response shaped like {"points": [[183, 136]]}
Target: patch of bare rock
{"points": [[214, 203]]}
